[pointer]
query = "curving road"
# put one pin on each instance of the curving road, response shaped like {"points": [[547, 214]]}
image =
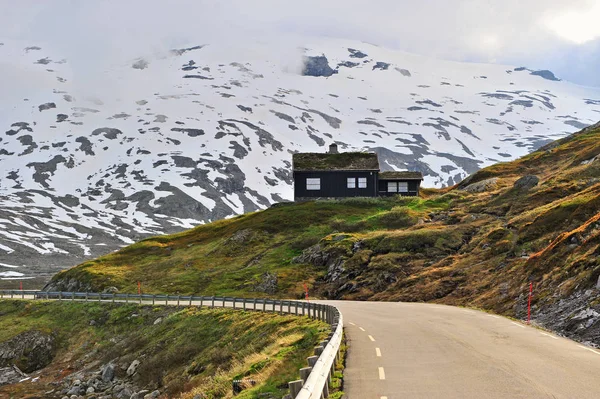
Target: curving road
{"points": [[425, 351]]}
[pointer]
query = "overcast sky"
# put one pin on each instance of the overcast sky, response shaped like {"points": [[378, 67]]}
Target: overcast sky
{"points": [[560, 35]]}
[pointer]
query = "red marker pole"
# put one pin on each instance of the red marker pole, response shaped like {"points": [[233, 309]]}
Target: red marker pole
{"points": [[529, 303], [21, 285], [306, 292]]}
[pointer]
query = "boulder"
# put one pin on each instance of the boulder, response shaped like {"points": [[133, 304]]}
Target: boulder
{"points": [[10, 375], [482, 186], [140, 394], [108, 373], [527, 182], [133, 367], [152, 395]]}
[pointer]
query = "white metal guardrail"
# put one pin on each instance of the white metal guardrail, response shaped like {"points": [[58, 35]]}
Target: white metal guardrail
{"points": [[315, 380]]}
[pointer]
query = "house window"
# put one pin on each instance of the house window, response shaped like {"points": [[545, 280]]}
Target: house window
{"points": [[351, 182], [313, 184], [362, 182], [403, 187], [392, 187]]}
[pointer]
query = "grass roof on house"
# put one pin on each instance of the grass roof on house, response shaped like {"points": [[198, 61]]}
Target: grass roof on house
{"points": [[400, 176], [341, 161]]}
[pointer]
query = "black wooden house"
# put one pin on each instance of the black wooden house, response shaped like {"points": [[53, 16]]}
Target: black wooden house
{"points": [[348, 174]]}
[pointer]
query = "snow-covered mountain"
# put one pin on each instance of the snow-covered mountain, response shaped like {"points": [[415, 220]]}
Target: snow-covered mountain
{"points": [[202, 133]]}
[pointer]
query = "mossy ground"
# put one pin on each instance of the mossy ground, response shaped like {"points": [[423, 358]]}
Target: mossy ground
{"points": [[449, 246], [191, 351]]}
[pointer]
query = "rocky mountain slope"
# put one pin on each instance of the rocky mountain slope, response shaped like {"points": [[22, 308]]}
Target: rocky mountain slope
{"points": [[479, 243], [201, 133]]}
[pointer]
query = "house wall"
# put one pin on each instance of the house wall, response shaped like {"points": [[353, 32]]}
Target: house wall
{"points": [[334, 184], [413, 188]]}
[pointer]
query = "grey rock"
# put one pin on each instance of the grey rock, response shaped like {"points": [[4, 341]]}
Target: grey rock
{"points": [[136, 363], [47, 106], [527, 182], [152, 395], [140, 394], [31, 351], [317, 66], [482, 186], [140, 64], [404, 72], [268, 283], [109, 133], [356, 53], [381, 65], [108, 373], [10, 375], [548, 75]]}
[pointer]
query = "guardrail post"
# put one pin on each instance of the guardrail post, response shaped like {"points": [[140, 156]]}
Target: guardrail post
{"points": [[254, 308], [113, 297], [22, 294], [305, 372], [281, 307], [318, 350], [233, 303], [244, 303], [312, 360], [295, 387], [127, 299], [166, 300], [213, 301], [201, 301], [86, 296], [178, 298], [191, 296], [59, 296], [264, 304], [296, 304], [140, 299], [153, 299], [326, 390]]}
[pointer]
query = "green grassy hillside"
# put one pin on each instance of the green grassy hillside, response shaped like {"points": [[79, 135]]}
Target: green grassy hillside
{"points": [[186, 352], [480, 243]]}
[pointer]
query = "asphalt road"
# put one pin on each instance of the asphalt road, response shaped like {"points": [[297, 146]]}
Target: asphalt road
{"points": [[423, 351]]}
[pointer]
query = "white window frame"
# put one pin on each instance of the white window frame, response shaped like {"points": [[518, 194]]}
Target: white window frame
{"points": [[392, 187], [351, 182], [313, 183], [403, 187], [362, 182]]}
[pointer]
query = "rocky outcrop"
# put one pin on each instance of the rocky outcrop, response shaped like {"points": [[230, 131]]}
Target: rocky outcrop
{"points": [[527, 182], [268, 283], [30, 351], [482, 186], [317, 66]]}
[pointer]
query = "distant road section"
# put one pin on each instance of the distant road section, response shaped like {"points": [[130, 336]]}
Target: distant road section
{"points": [[425, 351]]}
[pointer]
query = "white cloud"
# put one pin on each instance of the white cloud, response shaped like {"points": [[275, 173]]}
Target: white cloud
{"points": [[578, 25], [516, 31]]}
